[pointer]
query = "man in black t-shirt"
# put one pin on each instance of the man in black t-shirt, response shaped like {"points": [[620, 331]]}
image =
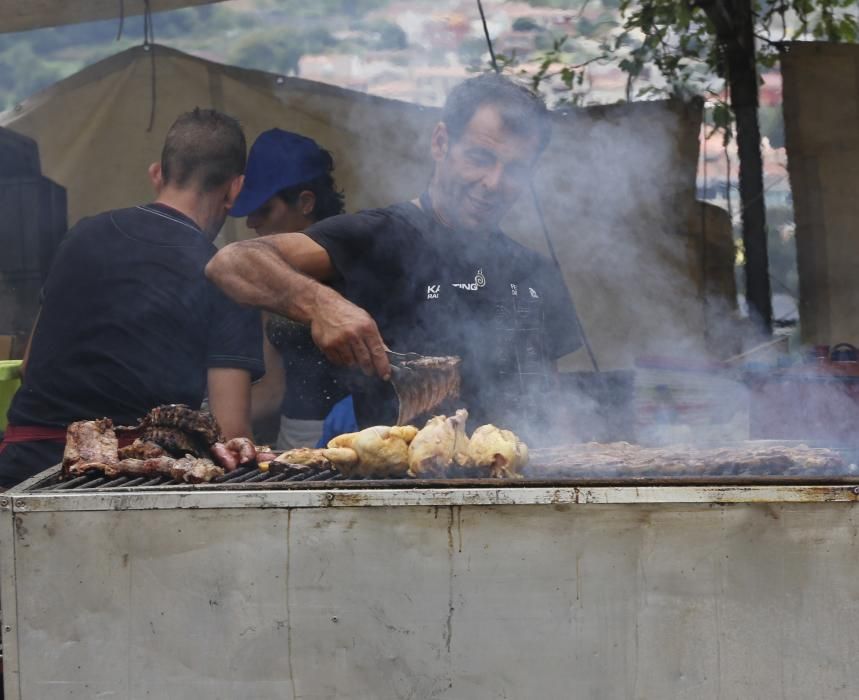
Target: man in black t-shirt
{"points": [[128, 319], [435, 275]]}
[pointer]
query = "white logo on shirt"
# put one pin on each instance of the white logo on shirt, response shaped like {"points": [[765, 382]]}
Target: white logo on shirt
{"points": [[514, 289], [433, 291], [534, 294], [479, 282]]}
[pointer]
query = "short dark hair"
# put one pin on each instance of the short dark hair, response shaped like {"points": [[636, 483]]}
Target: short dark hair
{"points": [[522, 110], [203, 148], [329, 200]]}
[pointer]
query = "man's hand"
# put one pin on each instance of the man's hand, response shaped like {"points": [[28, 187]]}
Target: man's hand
{"points": [[282, 273], [348, 335]]}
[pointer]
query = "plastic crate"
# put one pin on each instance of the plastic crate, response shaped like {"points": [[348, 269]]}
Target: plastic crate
{"points": [[10, 380]]}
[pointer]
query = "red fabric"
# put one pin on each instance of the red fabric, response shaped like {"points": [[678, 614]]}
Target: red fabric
{"points": [[37, 433], [28, 433]]}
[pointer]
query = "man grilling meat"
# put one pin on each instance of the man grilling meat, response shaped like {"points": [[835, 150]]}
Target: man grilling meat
{"points": [[435, 275], [128, 319]]}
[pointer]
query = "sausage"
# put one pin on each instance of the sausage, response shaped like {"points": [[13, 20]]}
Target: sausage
{"points": [[226, 458], [244, 448]]}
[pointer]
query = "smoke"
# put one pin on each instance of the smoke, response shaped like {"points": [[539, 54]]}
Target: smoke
{"points": [[617, 187]]}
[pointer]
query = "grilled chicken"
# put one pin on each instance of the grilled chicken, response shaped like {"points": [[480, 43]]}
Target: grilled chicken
{"points": [[382, 451], [498, 452], [441, 443], [342, 459]]}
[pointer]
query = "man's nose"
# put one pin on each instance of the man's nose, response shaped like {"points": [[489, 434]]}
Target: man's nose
{"points": [[494, 178]]}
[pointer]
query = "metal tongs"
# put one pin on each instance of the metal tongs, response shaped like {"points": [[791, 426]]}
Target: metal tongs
{"points": [[422, 382]]}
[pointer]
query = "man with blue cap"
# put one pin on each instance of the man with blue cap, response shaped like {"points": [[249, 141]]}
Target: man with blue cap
{"points": [[288, 187]]}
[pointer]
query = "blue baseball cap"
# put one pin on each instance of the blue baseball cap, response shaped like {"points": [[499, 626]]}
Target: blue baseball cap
{"points": [[277, 160]]}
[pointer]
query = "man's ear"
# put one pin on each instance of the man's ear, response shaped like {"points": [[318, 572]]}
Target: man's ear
{"points": [[233, 190], [440, 142], [156, 177], [306, 202]]}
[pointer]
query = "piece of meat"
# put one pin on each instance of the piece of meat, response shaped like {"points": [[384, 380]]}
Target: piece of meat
{"points": [[141, 449], [264, 454], [341, 458], [226, 458], [623, 459], [90, 444], [243, 448], [154, 466], [438, 444], [81, 468], [195, 470], [382, 451], [186, 419], [497, 452], [174, 440], [422, 383]]}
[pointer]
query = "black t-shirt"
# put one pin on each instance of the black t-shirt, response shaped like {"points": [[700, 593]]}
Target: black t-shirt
{"points": [[129, 321], [312, 387], [432, 290]]}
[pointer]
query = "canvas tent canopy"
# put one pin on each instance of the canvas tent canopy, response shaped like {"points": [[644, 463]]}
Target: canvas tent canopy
{"points": [[616, 183], [821, 111], [20, 15]]}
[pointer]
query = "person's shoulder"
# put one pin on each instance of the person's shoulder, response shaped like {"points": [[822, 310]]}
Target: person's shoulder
{"points": [[517, 252], [87, 228], [374, 220]]}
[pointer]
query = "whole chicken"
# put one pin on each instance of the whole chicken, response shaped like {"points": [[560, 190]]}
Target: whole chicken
{"points": [[498, 451], [440, 443], [382, 451]]}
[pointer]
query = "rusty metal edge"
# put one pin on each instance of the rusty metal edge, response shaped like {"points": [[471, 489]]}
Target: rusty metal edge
{"points": [[557, 495], [9, 598]]}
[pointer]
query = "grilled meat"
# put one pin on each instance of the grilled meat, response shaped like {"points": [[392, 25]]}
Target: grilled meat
{"points": [[381, 451], [226, 458], [422, 383], [140, 449], [244, 448], [194, 470], [342, 459], [235, 452], [625, 459], [175, 441], [497, 453], [440, 443], [181, 417], [131, 466], [90, 444]]}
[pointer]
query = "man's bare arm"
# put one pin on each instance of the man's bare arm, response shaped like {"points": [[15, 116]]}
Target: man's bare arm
{"points": [[26, 357], [230, 400], [282, 273], [267, 393]]}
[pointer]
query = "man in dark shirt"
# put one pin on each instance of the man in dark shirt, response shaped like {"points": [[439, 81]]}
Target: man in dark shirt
{"points": [[435, 275], [128, 319]]}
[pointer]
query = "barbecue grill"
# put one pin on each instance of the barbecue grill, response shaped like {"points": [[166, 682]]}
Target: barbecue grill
{"points": [[305, 584]]}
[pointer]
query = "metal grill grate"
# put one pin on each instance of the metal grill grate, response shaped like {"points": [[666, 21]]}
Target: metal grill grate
{"points": [[297, 477], [242, 475]]}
